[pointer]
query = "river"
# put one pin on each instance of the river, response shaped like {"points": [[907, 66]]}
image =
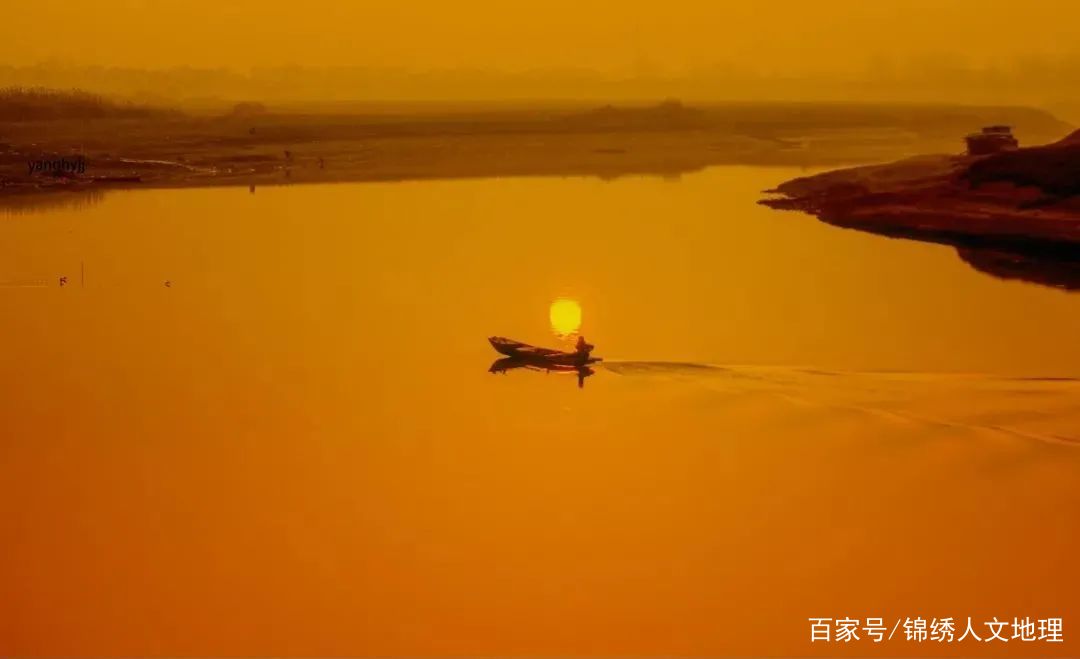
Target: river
{"points": [[261, 422]]}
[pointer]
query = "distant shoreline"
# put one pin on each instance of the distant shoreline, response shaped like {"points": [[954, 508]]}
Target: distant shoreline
{"points": [[252, 146]]}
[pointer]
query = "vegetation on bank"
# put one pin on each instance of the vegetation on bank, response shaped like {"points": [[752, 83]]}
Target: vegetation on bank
{"points": [[44, 104]]}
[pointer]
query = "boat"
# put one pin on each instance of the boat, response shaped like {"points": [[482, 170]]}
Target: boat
{"points": [[541, 357], [523, 355]]}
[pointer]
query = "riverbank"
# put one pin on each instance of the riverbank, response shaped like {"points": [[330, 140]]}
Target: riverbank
{"points": [[1028, 198]]}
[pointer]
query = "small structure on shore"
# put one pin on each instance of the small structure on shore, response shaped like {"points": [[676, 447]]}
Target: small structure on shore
{"points": [[992, 139]]}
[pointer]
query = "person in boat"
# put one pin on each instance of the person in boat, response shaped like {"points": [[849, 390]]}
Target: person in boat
{"points": [[583, 349]]}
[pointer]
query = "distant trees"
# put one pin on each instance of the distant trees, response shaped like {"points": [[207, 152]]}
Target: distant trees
{"points": [[670, 114], [44, 104], [248, 109]]}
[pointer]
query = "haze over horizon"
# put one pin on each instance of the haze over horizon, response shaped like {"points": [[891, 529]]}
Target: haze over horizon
{"points": [[638, 38]]}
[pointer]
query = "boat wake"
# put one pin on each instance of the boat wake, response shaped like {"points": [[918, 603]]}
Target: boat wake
{"points": [[1029, 408]]}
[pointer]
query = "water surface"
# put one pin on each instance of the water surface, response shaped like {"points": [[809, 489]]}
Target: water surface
{"points": [[263, 424]]}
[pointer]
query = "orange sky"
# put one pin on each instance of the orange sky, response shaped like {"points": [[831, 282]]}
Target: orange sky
{"points": [[791, 35]]}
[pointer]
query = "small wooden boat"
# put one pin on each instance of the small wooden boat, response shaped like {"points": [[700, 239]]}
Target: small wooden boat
{"points": [[523, 355], [544, 357]]}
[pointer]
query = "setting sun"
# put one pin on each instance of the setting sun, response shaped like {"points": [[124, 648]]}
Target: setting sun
{"points": [[565, 316]]}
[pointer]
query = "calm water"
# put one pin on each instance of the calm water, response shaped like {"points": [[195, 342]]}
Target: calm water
{"points": [[295, 447]]}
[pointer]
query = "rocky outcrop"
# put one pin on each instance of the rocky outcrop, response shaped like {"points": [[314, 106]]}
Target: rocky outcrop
{"points": [[1023, 198]]}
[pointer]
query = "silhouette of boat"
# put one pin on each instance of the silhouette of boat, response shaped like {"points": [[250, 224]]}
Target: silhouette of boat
{"points": [[523, 355], [545, 356]]}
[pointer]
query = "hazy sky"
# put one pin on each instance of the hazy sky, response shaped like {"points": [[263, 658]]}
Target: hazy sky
{"points": [[639, 36]]}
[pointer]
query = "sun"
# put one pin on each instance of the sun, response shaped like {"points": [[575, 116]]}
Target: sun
{"points": [[565, 315]]}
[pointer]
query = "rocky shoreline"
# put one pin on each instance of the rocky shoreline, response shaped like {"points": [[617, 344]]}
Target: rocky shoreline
{"points": [[1027, 198]]}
